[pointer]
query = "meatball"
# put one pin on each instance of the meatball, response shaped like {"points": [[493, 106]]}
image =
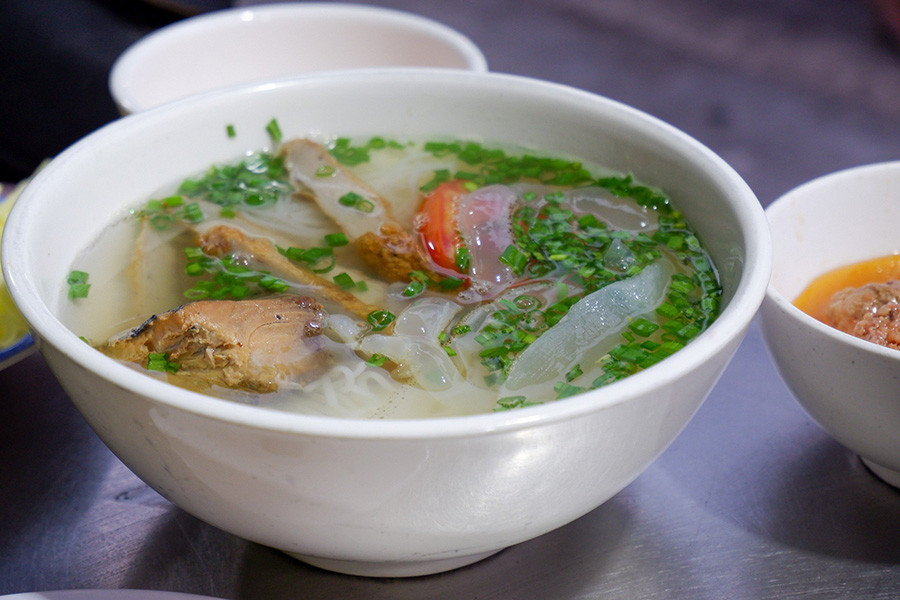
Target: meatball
{"points": [[870, 312]]}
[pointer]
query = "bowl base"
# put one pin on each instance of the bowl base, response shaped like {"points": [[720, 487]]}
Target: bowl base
{"points": [[889, 476], [413, 568]]}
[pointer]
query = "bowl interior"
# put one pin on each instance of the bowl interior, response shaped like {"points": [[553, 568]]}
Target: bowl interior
{"points": [[244, 45], [96, 181], [833, 221]]}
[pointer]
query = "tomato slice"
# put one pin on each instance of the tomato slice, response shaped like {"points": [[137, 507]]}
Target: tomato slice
{"points": [[437, 224]]}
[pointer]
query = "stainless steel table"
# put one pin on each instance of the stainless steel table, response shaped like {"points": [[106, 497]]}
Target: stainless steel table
{"points": [[752, 500]]}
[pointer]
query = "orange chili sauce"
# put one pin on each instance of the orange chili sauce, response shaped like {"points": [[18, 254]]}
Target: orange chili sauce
{"points": [[814, 300]]}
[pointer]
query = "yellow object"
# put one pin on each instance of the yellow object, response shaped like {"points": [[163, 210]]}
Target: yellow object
{"points": [[12, 324], [817, 296]]}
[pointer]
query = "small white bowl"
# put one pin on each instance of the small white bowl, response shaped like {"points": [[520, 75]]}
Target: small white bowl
{"points": [[849, 386], [246, 45], [382, 497]]}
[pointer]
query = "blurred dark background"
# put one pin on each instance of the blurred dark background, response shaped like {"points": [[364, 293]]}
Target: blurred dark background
{"points": [[784, 90], [55, 57], [673, 58]]}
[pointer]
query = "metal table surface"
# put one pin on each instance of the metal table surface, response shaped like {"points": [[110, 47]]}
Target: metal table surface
{"points": [[752, 500]]}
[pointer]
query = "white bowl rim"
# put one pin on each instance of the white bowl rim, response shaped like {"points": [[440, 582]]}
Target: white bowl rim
{"points": [[784, 303], [736, 316], [122, 70]]}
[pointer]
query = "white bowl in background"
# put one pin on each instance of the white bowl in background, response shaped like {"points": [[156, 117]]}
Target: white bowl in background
{"points": [[390, 497], [851, 387], [258, 43]]}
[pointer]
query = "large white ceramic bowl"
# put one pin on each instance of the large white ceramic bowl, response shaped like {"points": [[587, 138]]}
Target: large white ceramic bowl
{"points": [[851, 387], [258, 43], [382, 497]]}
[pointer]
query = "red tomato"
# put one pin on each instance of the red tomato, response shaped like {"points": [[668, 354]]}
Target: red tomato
{"points": [[437, 218]]}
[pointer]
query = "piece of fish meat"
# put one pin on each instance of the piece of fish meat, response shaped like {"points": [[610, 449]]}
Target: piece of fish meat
{"points": [[242, 344]]}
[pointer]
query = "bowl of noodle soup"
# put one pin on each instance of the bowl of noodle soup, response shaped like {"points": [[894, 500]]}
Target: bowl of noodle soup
{"points": [[389, 494]]}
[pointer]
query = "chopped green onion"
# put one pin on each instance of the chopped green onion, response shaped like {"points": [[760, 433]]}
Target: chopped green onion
{"points": [[643, 327], [316, 253], [667, 310], [589, 221], [377, 360], [229, 279], [230, 131], [450, 283], [271, 283], [420, 276], [574, 373], [631, 354], [514, 258], [257, 180], [194, 253], [274, 130], [439, 177], [348, 154], [334, 240], [564, 390], [78, 285], [172, 201], [317, 259], [192, 213], [323, 265], [351, 199], [344, 281], [380, 319], [161, 222], [510, 402], [414, 288], [193, 269], [159, 361], [462, 259], [688, 331]]}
